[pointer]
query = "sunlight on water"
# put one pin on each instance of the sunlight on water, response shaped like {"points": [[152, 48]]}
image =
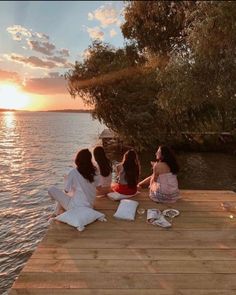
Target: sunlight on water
{"points": [[36, 149], [8, 120]]}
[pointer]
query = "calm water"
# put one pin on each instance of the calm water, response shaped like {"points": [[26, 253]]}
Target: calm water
{"points": [[36, 149]]}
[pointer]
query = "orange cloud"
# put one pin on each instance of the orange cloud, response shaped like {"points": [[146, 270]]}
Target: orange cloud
{"points": [[32, 61], [48, 86], [9, 76], [107, 15], [95, 33]]}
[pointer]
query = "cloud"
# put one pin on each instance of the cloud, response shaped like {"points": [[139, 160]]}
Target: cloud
{"points": [[90, 16], [47, 86], [18, 32], [64, 52], [41, 36], [107, 15], [46, 48], [113, 33], [60, 61], [86, 54], [54, 74], [9, 76], [95, 33], [31, 61], [38, 42]]}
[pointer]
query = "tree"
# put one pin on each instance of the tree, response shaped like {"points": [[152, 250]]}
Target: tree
{"points": [[176, 74], [212, 39], [122, 93], [157, 26]]}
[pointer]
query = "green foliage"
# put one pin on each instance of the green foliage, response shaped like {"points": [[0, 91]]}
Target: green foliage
{"points": [[212, 39], [127, 106], [157, 26], [176, 75]]}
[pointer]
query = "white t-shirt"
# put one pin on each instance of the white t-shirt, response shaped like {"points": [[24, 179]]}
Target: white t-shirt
{"points": [[82, 191]]}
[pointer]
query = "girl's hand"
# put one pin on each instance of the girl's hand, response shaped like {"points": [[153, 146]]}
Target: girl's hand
{"points": [[139, 185]]}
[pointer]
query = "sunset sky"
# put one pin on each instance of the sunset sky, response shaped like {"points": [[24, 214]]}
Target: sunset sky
{"points": [[39, 40]]}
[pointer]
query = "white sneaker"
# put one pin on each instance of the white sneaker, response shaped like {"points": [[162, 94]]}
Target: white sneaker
{"points": [[155, 217], [161, 221]]}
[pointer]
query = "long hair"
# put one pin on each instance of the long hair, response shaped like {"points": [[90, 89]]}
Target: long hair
{"points": [[104, 163], [167, 156], [131, 167], [84, 164]]}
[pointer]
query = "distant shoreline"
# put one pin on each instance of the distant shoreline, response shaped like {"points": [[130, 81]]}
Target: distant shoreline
{"points": [[48, 111], [70, 111]]}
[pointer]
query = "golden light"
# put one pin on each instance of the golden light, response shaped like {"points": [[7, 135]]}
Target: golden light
{"points": [[11, 97]]}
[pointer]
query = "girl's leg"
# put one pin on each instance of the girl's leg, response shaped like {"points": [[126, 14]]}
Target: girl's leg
{"points": [[102, 192], [61, 198]]}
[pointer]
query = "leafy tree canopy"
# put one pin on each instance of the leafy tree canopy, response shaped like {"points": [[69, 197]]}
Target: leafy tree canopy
{"points": [[175, 74]]}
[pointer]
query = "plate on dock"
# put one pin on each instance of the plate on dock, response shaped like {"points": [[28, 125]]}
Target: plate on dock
{"points": [[170, 213]]}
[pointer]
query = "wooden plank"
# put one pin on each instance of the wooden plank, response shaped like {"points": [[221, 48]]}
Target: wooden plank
{"points": [[131, 266], [134, 254], [126, 281], [209, 214], [209, 235], [155, 243], [181, 205], [207, 192], [120, 292], [210, 196], [185, 199], [178, 224], [196, 256]]}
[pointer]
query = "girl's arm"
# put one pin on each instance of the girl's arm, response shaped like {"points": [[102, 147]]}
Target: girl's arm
{"points": [[155, 173], [145, 181], [69, 182], [118, 168]]}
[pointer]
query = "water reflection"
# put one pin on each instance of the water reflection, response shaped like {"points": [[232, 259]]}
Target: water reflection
{"points": [[12, 151], [8, 120], [35, 149]]}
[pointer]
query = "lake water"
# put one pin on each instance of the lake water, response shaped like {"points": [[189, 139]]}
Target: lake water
{"points": [[36, 149]]}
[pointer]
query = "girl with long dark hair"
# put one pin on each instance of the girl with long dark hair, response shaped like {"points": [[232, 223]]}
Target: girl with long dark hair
{"points": [[163, 182], [105, 168], [128, 174], [81, 184]]}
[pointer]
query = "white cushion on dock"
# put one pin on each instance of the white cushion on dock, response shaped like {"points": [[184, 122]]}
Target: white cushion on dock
{"points": [[117, 196], [126, 210], [79, 217]]}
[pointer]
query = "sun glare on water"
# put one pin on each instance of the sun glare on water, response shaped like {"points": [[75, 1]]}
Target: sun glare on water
{"points": [[11, 97]]}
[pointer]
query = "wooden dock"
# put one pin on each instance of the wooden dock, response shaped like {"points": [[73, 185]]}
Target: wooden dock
{"points": [[196, 256]]}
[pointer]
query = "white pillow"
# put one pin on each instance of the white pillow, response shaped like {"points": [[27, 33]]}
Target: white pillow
{"points": [[80, 216], [126, 210], [117, 196]]}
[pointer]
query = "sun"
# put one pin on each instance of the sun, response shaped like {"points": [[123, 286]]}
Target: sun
{"points": [[11, 97]]}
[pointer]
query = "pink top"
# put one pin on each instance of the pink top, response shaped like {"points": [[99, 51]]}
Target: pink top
{"points": [[168, 183]]}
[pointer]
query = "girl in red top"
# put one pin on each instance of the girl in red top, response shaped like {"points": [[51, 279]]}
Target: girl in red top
{"points": [[128, 174]]}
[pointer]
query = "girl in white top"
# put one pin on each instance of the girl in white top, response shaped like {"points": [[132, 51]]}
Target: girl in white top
{"points": [[105, 168], [81, 184]]}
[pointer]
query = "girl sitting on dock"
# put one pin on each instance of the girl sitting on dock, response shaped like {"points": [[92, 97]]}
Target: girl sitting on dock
{"points": [[163, 182], [105, 168], [128, 174], [81, 184]]}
